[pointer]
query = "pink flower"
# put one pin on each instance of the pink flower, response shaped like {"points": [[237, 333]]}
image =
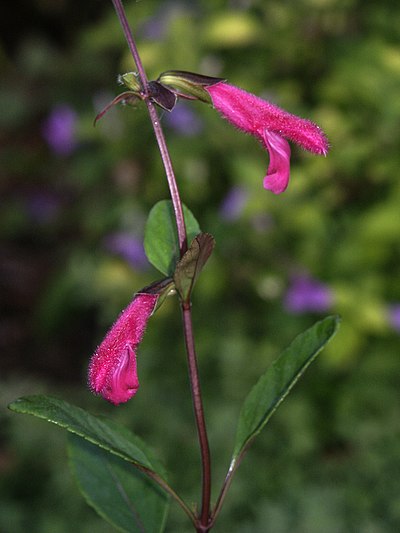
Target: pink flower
{"points": [[271, 125], [112, 369]]}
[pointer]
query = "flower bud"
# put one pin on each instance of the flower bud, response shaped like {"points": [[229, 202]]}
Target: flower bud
{"points": [[130, 80], [189, 84], [112, 369]]}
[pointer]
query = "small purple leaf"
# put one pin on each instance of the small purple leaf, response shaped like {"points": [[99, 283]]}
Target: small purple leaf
{"points": [[162, 96], [125, 97]]}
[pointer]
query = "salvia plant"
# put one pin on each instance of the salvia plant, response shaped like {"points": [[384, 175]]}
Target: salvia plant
{"points": [[116, 472]]}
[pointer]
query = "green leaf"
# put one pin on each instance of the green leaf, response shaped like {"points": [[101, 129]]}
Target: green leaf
{"points": [[192, 263], [97, 430], [161, 238], [278, 380], [119, 493]]}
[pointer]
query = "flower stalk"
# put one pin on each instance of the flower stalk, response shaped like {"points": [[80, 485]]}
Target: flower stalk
{"points": [[202, 521], [199, 415], [273, 127], [166, 159]]}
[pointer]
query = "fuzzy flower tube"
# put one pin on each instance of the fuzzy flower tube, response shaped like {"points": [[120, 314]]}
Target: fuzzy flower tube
{"points": [[113, 368], [271, 125]]}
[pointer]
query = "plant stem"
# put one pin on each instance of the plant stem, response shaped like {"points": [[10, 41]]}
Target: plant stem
{"points": [[202, 522], [173, 188], [203, 526], [228, 480], [119, 8], [164, 485]]}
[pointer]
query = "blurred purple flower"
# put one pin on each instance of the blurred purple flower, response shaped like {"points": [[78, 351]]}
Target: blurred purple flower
{"points": [[129, 248], [43, 206], [306, 295], [183, 120], [262, 222], [394, 316], [156, 26], [59, 130], [233, 204]]}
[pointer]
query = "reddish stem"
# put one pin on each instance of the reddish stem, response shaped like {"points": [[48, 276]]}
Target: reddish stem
{"points": [[204, 517], [173, 188], [202, 523]]}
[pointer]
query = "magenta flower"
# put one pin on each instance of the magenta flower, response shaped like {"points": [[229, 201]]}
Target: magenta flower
{"points": [[184, 121], [233, 204], [129, 248], [112, 369], [271, 125]]}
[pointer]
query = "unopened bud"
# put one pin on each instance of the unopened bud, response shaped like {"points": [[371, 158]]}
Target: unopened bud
{"points": [[189, 84], [130, 80]]}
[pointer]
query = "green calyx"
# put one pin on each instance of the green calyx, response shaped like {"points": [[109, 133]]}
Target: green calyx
{"points": [[189, 84], [131, 81], [162, 289]]}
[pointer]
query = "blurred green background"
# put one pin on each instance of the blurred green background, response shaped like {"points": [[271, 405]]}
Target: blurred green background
{"points": [[74, 203]]}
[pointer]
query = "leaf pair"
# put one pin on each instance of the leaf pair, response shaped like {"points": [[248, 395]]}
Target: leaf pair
{"points": [[110, 462], [162, 247], [103, 457]]}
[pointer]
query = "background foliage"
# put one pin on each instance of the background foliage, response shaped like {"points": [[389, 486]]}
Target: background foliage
{"points": [[72, 221]]}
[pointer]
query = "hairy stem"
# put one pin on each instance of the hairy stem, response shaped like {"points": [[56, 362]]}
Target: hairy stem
{"points": [[203, 525]]}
